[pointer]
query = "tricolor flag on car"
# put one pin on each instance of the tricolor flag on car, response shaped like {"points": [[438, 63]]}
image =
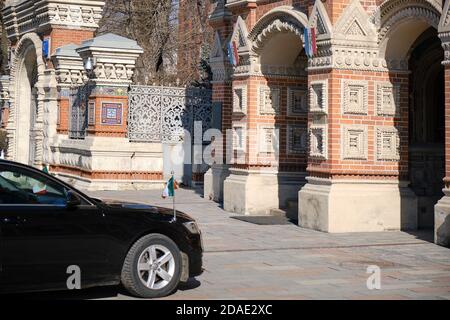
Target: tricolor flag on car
{"points": [[169, 190]]}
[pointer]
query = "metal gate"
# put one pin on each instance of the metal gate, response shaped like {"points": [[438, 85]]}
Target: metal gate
{"points": [[161, 114], [78, 112]]}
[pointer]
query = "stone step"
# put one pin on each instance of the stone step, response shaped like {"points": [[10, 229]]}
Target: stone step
{"points": [[277, 212]]}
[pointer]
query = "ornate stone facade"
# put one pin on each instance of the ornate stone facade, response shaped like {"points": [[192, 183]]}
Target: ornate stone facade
{"points": [[61, 78], [349, 113]]}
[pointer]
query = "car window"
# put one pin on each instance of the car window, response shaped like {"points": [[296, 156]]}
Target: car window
{"points": [[18, 186]]}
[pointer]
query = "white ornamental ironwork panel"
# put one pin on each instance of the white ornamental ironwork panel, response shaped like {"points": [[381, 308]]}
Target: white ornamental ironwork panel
{"points": [[161, 114], [144, 115]]}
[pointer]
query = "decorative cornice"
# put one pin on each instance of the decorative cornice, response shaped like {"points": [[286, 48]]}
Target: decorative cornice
{"points": [[34, 16]]}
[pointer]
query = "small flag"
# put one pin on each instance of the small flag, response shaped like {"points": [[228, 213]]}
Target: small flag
{"points": [[40, 189], [169, 190], [306, 41], [313, 41], [309, 35], [233, 53]]}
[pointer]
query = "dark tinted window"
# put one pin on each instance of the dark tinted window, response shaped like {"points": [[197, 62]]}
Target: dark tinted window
{"points": [[18, 186]]}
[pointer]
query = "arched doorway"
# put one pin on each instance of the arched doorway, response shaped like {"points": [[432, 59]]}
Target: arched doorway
{"points": [[412, 50], [426, 124], [28, 108], [25, 123]]}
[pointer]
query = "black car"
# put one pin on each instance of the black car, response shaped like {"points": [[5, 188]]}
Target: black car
{"points": [[54, 237]]}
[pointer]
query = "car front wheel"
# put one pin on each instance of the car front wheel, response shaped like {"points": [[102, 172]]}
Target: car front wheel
{"points": [[152, 267]]}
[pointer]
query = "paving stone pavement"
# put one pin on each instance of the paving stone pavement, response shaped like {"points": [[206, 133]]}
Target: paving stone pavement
{"points": [[248, 261]]}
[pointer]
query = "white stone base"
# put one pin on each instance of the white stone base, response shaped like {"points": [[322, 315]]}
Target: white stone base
{"points": [[442, 221], [110, 185], [214, 180], [357, 206], [258, 192]]}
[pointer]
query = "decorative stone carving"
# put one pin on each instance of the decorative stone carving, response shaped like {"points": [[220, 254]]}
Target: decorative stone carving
{"points": [[30, 15], [444, 32], [280, 19], [297, 101], [68, 66], [269, 100], [4, 93], [297, 139], [354, 24], [240, 99], [387, 99], [239, 136], [268, 139], [219, 66], [391, 13], [240, 35], [113, 58], [388, 144], [318, 142], [354, 97], [318, 97], [319, 19], [354, 142]]}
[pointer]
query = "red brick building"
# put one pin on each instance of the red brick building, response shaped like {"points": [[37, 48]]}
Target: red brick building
{"points": [[362, 125]]}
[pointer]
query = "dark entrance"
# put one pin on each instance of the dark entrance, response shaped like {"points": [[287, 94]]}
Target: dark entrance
{"points": [[426, 124]]}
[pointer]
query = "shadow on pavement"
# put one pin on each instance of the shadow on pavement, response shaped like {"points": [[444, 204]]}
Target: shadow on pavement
{"points": [[110, 292]]}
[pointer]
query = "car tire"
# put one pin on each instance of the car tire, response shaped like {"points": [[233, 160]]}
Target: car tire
{"points": [[154, 282]]}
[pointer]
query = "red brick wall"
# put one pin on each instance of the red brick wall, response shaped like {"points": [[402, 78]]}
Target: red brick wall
{"points": [[103, 130], [334, 166], [252, 119], [61, 37]]}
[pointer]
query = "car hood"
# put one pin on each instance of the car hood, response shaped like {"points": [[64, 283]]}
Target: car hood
{"points": [[145, 208]]}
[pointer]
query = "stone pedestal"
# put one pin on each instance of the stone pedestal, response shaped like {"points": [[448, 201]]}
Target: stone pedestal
{"points": [[258, 192], [442, 221], [357, 206], [214, 180]]}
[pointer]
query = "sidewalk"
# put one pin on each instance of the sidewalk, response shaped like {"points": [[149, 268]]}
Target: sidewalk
{"points": [[248, 261]]}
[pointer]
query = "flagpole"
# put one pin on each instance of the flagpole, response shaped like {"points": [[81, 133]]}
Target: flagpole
{"points": [[174, 210]]}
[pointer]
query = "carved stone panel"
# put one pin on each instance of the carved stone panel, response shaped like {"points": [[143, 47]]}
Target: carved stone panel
{"points": [[268, 139], [388, 144], [297, 103], [240, 99], [354, 142], [354, 97], [297, 139], [318, 145], [318, 97], [269, 100], [239, 136], [387, 99]]}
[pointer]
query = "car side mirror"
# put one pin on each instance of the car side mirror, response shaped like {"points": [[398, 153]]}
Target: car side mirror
{"points": [[72, 200]]}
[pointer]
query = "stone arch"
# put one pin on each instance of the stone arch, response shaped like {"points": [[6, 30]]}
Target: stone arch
{"points": [[394, 17], [281, 19], [27, 60]]}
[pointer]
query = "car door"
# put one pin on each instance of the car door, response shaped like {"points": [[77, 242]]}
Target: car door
{"points": [[43, 242]]}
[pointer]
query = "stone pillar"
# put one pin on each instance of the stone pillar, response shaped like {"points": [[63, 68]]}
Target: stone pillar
{"points": [[268, 114], [442, 208], [358, 127], [4, 100], [221, 21]]}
